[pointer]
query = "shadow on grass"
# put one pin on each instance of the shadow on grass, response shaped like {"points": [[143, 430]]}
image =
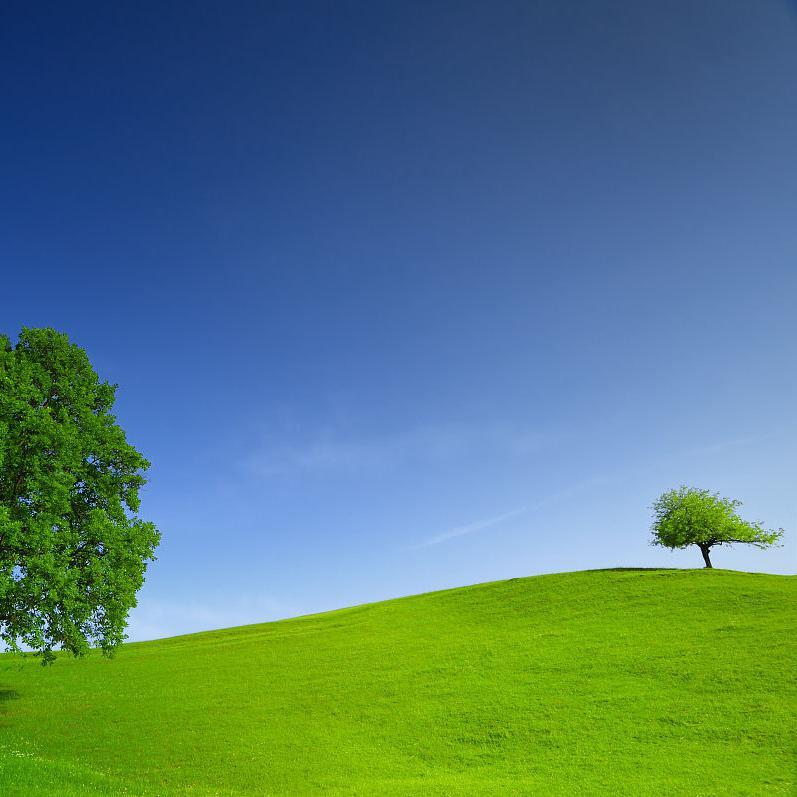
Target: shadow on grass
{"points": [[5, 696], [632, 569]]}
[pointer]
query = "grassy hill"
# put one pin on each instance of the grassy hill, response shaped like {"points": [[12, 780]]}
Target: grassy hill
{"points": [[633, 682]]}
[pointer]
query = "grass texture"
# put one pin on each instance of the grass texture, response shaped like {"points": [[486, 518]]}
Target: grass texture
{"points": [[624, 682]]}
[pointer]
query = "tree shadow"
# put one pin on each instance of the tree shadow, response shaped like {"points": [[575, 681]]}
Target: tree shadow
{"points": [[6, 695], [629, 569]]}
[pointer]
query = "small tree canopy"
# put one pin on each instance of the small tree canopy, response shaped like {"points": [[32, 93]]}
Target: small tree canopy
{"points": [[689, 516], [72, 550]]}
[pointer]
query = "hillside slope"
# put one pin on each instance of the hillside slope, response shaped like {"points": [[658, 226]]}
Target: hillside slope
{"points": [[632, 682]]}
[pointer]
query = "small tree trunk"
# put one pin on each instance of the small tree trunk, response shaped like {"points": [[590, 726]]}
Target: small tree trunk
{"points": [[704, 550]]}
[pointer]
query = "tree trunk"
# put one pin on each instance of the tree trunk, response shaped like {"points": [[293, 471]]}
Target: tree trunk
{"points": [[704, 550]]}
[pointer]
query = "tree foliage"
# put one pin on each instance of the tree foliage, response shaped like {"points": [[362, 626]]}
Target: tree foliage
{"points": [[73, 552], [689, 516]]}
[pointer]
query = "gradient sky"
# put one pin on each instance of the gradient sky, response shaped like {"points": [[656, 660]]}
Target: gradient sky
{"points": [[412, 295]]}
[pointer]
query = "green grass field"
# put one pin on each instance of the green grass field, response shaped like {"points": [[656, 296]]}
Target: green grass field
{"points": [[638, 682]]}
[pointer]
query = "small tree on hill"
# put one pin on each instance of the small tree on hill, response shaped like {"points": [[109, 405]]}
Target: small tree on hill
{"points": [[688, 516], [72, 551]]}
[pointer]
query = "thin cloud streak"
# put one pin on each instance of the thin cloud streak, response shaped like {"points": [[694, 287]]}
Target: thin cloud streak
{"points": [[470, 528], [480, 525]]}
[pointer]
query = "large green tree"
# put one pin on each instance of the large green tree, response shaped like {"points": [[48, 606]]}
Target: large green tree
{"points": [[73, 552], [688, 516]]}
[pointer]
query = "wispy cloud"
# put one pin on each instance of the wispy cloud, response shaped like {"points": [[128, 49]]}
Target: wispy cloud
{"points": [[331, 452], [470, 528], [481, 525], [722, 445]]}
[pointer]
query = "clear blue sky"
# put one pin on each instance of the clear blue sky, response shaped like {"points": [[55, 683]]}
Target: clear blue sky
{"points": [[412, 295]]}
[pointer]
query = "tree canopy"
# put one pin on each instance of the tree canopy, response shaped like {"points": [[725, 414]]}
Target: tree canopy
{"points": [[73, 551], [689, 516]]}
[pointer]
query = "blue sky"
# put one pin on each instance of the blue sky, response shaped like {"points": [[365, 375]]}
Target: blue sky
{"points": [[407, 296]]}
